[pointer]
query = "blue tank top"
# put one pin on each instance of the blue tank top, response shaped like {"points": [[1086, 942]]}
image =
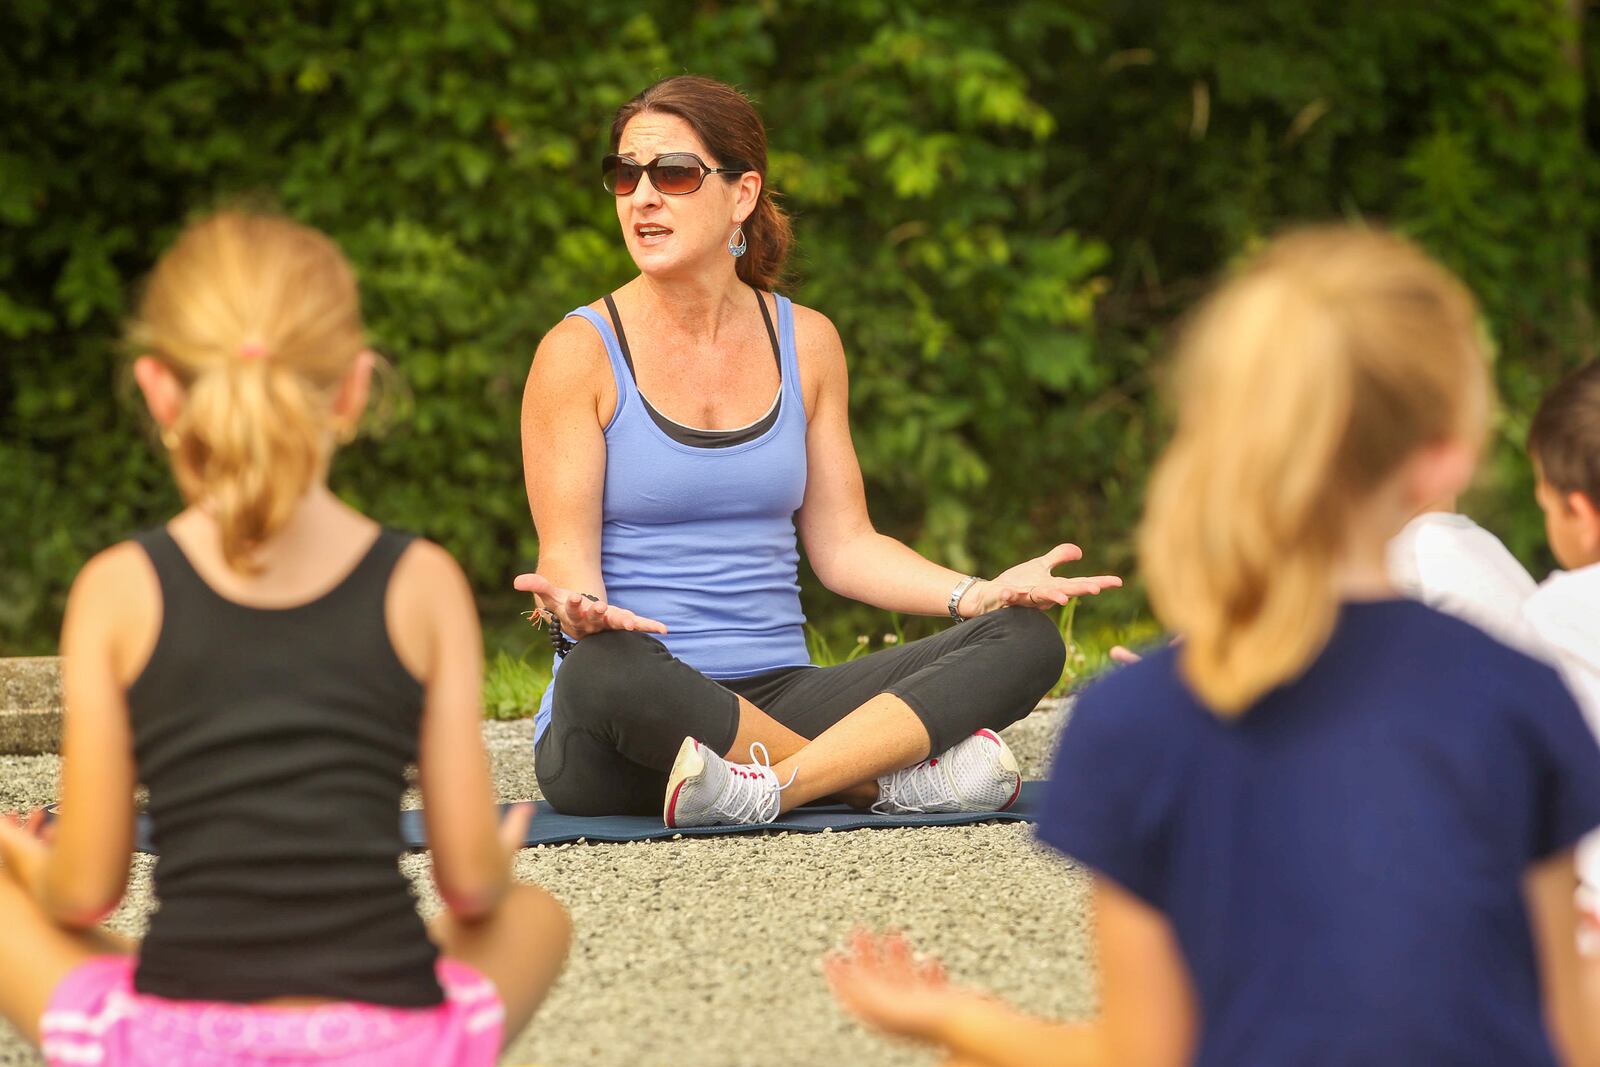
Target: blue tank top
{"points": [[701, 538]]}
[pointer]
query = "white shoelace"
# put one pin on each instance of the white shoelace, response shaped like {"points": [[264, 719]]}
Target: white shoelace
{"points": [[907, 784], [751, 802]]}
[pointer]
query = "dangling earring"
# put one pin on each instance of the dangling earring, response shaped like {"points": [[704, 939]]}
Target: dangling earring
{"points": [[737, 243]]}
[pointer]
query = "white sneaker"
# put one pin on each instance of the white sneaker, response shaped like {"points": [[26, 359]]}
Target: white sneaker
{"points": [[706, 790], [977, 774]]}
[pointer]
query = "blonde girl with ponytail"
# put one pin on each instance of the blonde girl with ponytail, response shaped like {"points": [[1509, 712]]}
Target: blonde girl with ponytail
{"points": [[1329, 826], [267, 664]]}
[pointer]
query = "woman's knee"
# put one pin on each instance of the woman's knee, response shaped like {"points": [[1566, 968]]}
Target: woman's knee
{"points": [[608, 672], [1034, 648]]}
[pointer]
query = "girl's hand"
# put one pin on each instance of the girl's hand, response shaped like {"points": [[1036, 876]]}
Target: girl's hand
{"points": [[881, 982], [1126, 655], [581, 614], [514, 829], [1031, 585], [37, 822], [22, 849]]}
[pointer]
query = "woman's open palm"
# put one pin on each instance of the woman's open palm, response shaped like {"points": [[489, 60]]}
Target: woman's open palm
{"points": [[1030, 584], [582, 614]]}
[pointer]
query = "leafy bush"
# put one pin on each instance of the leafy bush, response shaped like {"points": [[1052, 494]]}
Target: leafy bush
{"points": [[1002, 207]]}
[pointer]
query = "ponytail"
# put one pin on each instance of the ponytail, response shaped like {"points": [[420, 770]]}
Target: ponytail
{"points": [[250, 442], [1303, 384], [259, 318]]}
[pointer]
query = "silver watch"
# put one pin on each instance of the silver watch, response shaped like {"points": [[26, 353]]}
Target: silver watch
{"points": [[957, 593]]}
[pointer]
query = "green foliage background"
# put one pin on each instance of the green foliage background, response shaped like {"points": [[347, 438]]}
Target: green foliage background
{"points": [[1002, 206]]}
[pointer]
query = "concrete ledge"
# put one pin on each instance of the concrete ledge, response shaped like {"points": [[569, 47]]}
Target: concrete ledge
{"points": [[30, 706]]}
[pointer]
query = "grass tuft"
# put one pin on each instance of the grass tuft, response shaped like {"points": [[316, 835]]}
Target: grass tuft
{"points": [[1089, 654], [513, 686]]}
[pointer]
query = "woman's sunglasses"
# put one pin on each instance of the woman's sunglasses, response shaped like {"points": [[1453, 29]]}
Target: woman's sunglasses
{"points": [[674, 173]]}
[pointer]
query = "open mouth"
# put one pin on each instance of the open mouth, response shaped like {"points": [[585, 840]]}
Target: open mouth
{"points": [[651, 232]]}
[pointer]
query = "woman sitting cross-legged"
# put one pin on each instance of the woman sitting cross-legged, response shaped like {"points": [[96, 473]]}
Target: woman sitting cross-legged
{"points": [[677, 435]]}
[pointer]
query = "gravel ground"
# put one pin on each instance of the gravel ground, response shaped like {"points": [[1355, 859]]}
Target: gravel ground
{"points": [[706, 951]]}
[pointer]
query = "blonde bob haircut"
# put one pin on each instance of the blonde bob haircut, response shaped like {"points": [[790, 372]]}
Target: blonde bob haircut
{"points": [[259, 318], [1302, 385]]}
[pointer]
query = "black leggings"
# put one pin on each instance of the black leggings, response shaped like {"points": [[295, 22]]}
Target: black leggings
{"points": [[623, 705]]}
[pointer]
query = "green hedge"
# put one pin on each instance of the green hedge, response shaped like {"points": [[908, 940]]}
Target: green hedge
{"points": [[1001, 206]]}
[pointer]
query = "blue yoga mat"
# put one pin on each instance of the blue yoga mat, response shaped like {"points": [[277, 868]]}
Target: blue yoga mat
{"points": [[550, 827]]}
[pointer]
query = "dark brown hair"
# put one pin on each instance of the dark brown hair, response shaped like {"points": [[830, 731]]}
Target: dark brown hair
{"points": [[726, 122], [1565, 436]]}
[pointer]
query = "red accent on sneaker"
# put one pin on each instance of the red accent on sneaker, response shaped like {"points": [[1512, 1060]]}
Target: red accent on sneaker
{"points": [[990, 734], [1015, 793], [672, 805], [934, 762]]}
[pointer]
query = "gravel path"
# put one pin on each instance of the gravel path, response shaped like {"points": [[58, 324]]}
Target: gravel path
{"points": [[705, 950]]}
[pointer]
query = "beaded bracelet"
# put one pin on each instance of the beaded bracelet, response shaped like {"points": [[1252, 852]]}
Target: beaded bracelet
{"points": [[559, 641]]}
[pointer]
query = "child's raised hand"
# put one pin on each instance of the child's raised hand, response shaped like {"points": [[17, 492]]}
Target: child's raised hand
{"points": [[582, 614], [36, 822], [1125, 655], [22, 848], [880, 981], [514, 828]]}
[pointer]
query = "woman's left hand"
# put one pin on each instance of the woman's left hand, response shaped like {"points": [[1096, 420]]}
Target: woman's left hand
{"points": [[1031, 585]]}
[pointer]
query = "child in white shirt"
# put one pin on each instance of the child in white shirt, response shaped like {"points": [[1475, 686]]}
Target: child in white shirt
{"points": [[1449, 562], [1564, 612]]}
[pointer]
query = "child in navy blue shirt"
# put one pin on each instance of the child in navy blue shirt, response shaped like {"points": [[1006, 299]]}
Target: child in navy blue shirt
{"points": [[1330, 826]]}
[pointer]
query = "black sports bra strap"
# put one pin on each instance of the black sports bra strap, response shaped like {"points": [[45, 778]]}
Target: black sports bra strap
{"points": [[772, 334], [622, 338], [627, 356]]}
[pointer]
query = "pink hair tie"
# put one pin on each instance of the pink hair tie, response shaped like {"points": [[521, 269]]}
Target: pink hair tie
{"points": [[252, 350]]}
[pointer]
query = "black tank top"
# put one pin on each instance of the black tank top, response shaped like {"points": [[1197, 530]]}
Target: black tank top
{"points": [[274, 743]]}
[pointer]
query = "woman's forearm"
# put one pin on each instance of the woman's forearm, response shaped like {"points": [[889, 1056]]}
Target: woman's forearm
{"points": [[994, 1033], [878, 570], [578, 571]]}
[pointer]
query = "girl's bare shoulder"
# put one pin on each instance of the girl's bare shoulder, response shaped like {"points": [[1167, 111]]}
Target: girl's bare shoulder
{"points": [[115, 606]]}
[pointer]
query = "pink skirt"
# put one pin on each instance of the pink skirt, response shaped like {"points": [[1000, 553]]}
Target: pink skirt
{"points": [[95, 1017]]}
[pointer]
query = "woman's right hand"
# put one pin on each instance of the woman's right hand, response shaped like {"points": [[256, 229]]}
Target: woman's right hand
{"points": [[582, 614]]}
